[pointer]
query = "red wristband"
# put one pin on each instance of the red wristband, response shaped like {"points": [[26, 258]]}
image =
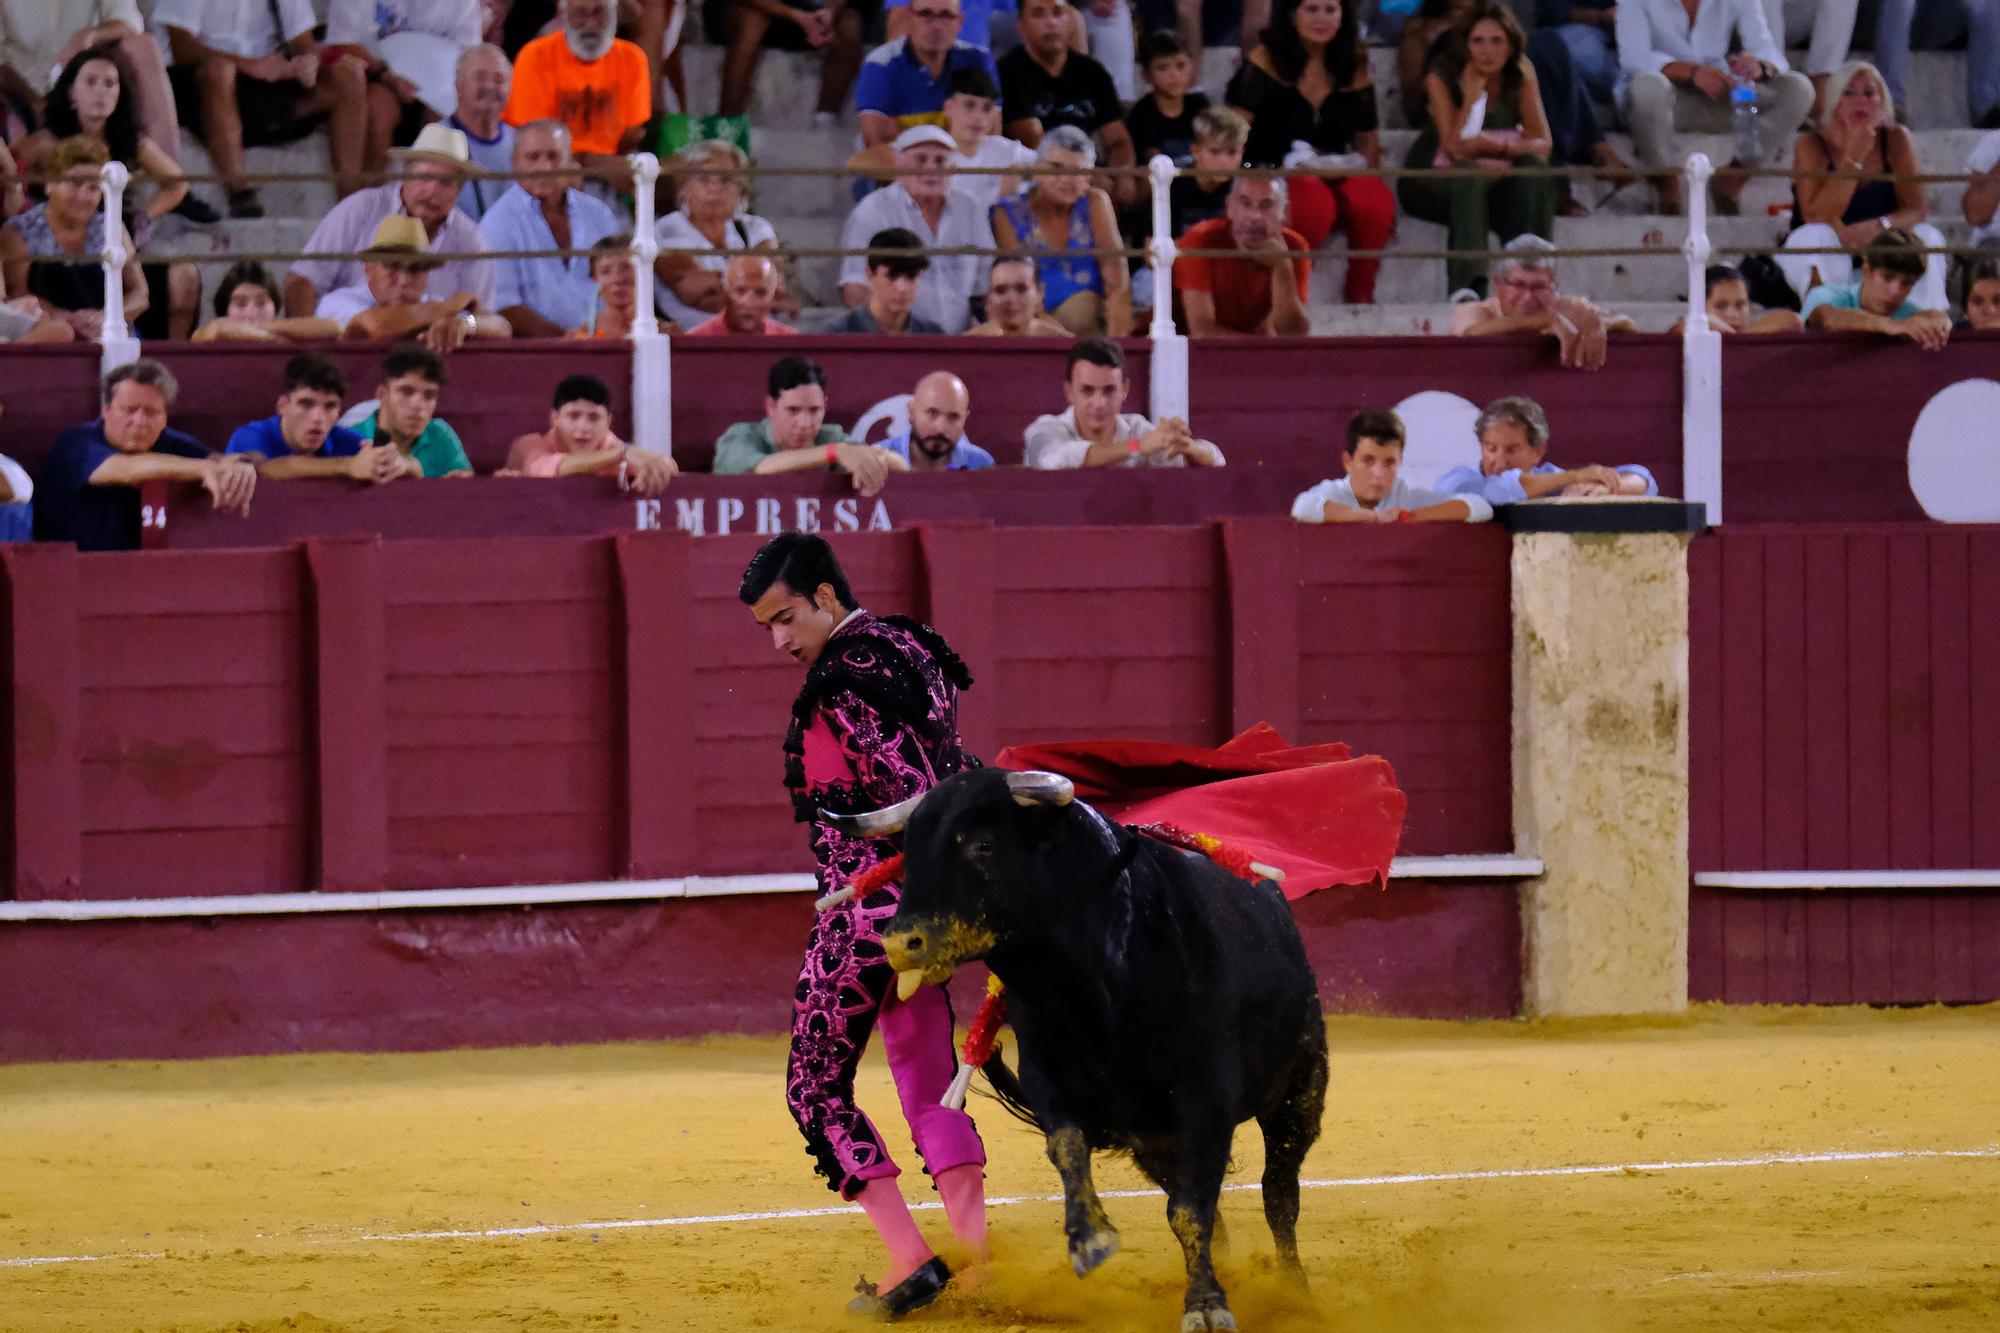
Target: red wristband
{"points": [[1132, 446], [1403, 516], [833, 455]]}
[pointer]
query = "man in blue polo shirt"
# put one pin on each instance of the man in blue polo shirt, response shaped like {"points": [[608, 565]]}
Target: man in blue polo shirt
{"points": [[305, 438], [905, 81], [89, 488], [936, 440]]}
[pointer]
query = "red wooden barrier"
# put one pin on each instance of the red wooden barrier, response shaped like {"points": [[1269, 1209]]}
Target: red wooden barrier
{"points": [[1846, 689]]}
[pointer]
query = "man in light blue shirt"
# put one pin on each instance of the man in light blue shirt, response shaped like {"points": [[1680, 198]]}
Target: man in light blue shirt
{"points": [[936, 440], [1891, 266], [1513, 462], [485, 76], [545, 298], [1373, 490]]}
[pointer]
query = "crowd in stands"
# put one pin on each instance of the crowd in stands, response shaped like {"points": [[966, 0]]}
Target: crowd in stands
{"points": [[479, 149]]}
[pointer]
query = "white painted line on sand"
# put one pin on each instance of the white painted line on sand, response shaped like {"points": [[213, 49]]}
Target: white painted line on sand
{"points": [[1009, 1201], [1775, 1275]]}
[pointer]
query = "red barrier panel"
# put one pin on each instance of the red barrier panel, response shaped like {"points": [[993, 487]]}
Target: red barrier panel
{"points": [[1846, 688]]}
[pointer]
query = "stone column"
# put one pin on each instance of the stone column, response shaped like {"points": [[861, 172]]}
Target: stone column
{"points": [[1601, 753]]}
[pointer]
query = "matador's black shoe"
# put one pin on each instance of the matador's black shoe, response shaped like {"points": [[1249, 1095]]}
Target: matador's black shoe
{"points": [[912, 1293]]}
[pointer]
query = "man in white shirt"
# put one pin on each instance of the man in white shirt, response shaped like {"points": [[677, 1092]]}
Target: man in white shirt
{"points": [[1092, 432], [923, 201], [545, 298], [241, 79], [1982, 196], [433, 169], [484, 77], [1373, 490], [1681, 75], [390, 302]]}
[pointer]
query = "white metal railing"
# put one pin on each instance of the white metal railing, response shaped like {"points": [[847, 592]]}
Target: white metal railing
{"points": [[1168, 374]]}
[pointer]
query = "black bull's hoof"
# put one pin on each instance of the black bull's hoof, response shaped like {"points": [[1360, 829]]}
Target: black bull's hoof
{"points": [[1092, 1248], [912, 1293], [1207, 1321]]}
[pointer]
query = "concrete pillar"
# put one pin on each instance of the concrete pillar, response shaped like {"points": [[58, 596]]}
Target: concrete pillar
{"points": [[1601, 754]]}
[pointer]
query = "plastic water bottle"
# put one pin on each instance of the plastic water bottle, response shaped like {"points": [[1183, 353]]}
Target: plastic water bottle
{"points": [[1743, 123]]}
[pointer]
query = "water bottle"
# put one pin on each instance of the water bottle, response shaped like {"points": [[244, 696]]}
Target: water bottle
{"points": [[1743, 123]]}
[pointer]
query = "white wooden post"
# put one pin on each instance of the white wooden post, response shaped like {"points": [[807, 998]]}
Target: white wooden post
{"points": [[117, 346], [1701, 356], [652, 359], [1169, 374]]}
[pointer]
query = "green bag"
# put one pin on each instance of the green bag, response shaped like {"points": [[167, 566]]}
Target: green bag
{"points": [[679, 129]]}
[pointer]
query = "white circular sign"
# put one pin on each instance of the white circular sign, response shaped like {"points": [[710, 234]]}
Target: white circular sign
{"points": [[1440, 436], [1955, 453]]}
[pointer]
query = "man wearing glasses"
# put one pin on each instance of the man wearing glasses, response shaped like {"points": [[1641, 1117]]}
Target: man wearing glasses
{"points": [[1525, 300], [905, 81]]}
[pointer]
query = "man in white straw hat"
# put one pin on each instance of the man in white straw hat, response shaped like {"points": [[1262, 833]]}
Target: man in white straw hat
{"points": [[433, 169]]}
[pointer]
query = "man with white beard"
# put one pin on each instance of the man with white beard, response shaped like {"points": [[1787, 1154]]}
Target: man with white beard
{"points": [[587, 77]]}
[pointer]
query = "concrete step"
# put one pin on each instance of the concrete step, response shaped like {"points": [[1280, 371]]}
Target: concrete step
{"points": [[308, 198]]}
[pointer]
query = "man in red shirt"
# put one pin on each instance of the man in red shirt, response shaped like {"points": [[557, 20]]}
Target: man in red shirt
{"points": [[1221, 296]]}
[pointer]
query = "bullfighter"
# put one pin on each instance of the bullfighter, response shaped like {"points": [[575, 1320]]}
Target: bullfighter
{"points": [[875, 723]]}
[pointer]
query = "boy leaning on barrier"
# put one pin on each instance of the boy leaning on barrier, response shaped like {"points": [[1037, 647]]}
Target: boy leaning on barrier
{"points": [[1373, 489]]}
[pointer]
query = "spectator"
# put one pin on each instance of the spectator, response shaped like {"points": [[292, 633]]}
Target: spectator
{"points": [[13, 197], [1513, 462], [709, 217], [1727, 303], [834, 27], [749, 287], [906, 81], [26, 320], [614, 307], [794, 435], [246, 310], [1265, 294], [246, 73], [579, 442], [88, 493], [405, 416], [1681, 74], [1932, 25], [1982, 196], [1163, 120], [1827, 24], [923, 203], [1092, 432], [39, 37], [484, 77], [67, 233], [1199, 23], [90, 99], [1044, 84], [976, 29], [593, 81], [1526, 300], [1373, 492], [396, 107], [1197, 196], [1575, 134], [391, 303], [895, 280], [1857, 132], [305, 438], [1485, 111], [935, 440], [1108, 29], [1314, 47], [1014, 303], [1060, 219], [1585, 28], [542, 298], [1980, 283], [968, 114], [1891, 267], [17, 494], [432, 171]]}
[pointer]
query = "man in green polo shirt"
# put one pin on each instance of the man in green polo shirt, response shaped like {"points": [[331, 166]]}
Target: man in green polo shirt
{"points": [[794, 435], [406, 414]]}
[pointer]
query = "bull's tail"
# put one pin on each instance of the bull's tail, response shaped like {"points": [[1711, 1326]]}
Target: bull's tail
{"points": [[1007, 1090]]}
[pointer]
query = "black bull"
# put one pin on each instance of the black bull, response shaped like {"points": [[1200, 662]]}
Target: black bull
{"points": [[1157, 1000]]}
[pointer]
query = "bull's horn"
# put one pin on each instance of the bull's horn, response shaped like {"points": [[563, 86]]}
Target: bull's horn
{"points": [[873, 823], [1038, 788]]}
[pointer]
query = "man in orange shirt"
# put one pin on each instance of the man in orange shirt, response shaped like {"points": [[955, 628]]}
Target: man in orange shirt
{"points": [[593, 82], [1221, 296]]}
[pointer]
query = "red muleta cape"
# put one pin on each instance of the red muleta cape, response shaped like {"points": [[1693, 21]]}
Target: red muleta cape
{"points": [[1313, 811]]}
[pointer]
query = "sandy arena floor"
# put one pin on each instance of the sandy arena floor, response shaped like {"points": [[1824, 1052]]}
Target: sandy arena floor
{"points": [[283, 1193]]}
